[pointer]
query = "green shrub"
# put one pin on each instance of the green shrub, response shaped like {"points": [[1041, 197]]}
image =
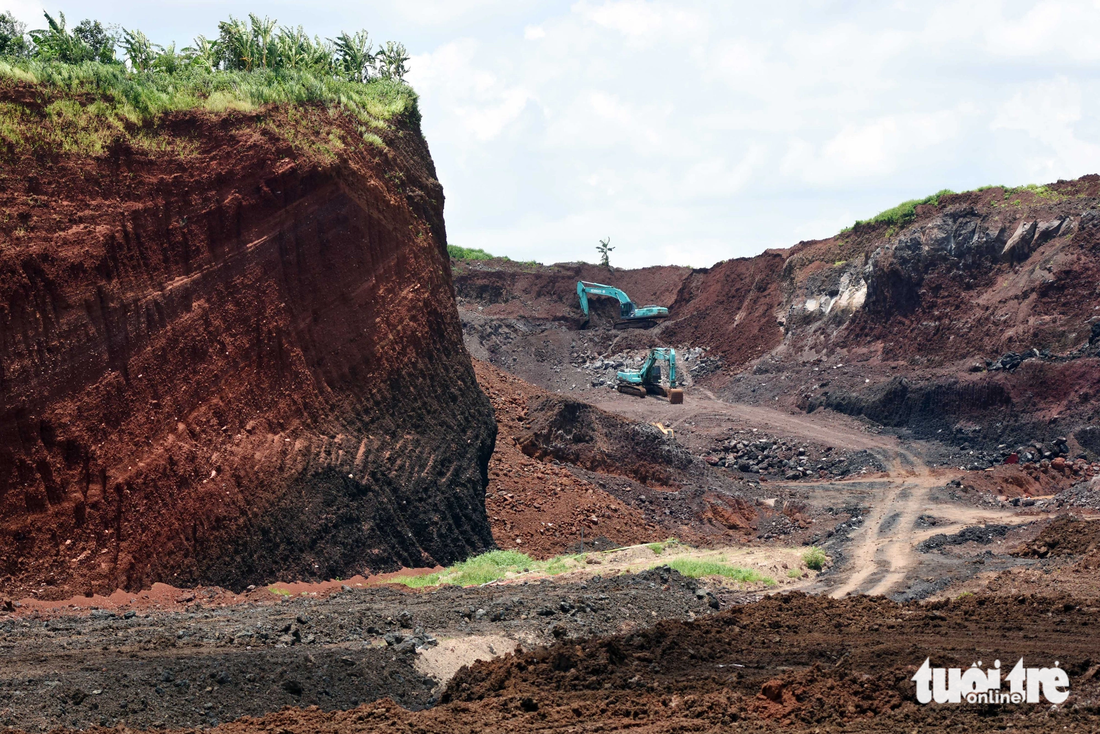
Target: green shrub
{"points": [[468, 253], [815, 558]]}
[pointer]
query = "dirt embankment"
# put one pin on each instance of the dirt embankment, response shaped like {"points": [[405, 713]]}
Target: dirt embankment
{"points": [[786, 663], [225, 358], [565, 474]]}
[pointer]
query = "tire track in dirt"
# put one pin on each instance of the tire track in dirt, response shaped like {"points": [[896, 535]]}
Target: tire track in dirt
{"points": [[884, 550]]}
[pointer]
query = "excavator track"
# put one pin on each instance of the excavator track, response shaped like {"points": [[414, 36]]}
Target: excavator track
{"points": [[635, 390]]}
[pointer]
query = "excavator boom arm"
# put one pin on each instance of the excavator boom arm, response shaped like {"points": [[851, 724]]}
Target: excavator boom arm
{"points": [[627, 310]]}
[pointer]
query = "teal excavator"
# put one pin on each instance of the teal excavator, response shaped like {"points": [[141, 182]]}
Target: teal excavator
{"points": [[630, 316], [647, 380]]}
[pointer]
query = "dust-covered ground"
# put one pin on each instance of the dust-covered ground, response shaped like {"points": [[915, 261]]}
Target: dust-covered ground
{"points": [[208, 664]]}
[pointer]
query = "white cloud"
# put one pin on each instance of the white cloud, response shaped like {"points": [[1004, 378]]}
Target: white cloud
{"points": [[1048, 113], [27, 11], [641, 21], [478, 100], [691, 131], [874, 148]]}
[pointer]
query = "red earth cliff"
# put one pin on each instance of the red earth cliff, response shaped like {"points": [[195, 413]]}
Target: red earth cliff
{"points": [[226, 358]]}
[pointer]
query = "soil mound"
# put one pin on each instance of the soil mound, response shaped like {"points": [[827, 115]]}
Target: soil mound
{"points": [[1064, 536], [227, 358], [580, 434], [543, 508]]}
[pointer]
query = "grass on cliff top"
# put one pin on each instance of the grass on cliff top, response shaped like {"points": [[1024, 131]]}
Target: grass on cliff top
{"points": [[90, 104], [473, 253], [468, 253], [905, 212]]}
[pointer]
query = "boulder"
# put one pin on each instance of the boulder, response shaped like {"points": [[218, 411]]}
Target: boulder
{"points": [[1019, 245]]}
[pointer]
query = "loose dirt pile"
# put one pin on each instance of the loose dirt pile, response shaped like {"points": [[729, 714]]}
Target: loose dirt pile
{"points": [[754, 452], [791, 663], [228, 359], [1064, 536], [565, 473], [213, 662], [542, 508]]}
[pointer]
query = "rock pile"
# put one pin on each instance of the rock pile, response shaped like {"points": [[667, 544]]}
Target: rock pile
{"points": [[752, 452]]}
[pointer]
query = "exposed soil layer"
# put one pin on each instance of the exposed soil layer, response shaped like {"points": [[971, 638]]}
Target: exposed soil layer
{"points": [[226, 359], [1065, 536], [790, 663], [540, 507]]}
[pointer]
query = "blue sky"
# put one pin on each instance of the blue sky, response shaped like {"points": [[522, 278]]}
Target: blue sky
{"points": [[690, 132]]}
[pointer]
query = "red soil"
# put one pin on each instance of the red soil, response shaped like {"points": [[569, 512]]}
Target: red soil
{"points": [[538, 507], [226, 360]]}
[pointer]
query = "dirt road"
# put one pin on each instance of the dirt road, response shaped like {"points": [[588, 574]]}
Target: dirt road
{"points": [[882, 555]]}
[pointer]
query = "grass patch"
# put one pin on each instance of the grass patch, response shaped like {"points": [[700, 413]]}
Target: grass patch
{"points": [[794, 573], [695, 568], [899, 216], [88, 105], [482, 569], [473, 253], [659, 548], [468, 253], [814, 558], [278, 592], [905, 212]]}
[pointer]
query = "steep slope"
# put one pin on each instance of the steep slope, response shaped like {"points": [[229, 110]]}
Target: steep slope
{"points": [[229, 352]]}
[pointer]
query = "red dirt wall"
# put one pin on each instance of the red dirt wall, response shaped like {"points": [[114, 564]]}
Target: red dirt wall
{"points": [[232, 363]]}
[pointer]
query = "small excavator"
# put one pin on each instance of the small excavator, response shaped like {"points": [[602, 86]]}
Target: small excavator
{"points": [[647, 380], [630, 316]]}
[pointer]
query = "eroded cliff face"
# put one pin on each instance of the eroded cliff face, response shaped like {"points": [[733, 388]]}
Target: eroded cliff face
{"points": [[226, 358]]}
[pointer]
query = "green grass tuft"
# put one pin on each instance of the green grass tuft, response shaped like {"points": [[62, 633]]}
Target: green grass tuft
{"points": [[814, 558], [905, 212], [901, 215], [474, 571], [277, 591], [794, 573], [468, 253], [659, 548], [695, 568]]}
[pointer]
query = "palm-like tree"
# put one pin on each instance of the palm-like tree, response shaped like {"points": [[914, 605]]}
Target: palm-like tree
{"points": [[353, 56], [391, 60], [140, 51]]}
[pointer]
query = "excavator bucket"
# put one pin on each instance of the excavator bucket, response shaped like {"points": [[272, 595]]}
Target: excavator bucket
{"points": [[676, 396]]}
